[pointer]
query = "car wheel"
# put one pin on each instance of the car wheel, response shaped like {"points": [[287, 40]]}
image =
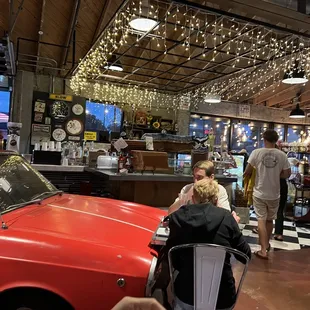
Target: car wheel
{"points": [[33, 301]]}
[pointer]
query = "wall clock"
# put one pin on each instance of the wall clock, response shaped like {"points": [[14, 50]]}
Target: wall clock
{"points": [[74, 127], [59, 134], [39, 107], [77, 109], [59, 110]]}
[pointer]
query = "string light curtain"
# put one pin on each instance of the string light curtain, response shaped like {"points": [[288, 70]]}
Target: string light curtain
{"points": [[258, 56]]}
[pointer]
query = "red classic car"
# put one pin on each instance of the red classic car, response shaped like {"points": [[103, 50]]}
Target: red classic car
{"points": [[60, 251]]}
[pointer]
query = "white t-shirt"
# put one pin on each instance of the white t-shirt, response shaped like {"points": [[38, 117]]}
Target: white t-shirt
{"points": [[269, 163], [186, 196]]}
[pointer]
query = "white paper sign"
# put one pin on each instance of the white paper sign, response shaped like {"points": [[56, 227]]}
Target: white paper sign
{"points": [[149, 143], [244, 111], [120, 144]]}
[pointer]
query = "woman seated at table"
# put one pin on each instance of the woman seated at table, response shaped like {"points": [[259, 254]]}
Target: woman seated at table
{"points": [[203, 222]]}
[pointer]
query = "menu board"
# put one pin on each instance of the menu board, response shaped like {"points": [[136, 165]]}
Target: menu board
{"points": [[64, 115]]}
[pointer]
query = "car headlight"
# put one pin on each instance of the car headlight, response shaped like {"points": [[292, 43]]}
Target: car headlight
{"points": [[150, 279]]}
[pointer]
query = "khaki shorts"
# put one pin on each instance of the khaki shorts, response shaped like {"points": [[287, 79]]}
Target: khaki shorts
{"points": [[266, 209]]}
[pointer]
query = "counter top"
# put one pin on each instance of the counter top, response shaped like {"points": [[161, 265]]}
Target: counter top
{"points": [[146, 176], [58, 168], [113, 176]]}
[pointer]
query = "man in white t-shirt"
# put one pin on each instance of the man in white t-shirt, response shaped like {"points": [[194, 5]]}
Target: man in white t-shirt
{"points": [[271, 164], [202, 170]]}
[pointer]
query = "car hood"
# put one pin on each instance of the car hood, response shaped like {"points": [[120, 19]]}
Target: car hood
{"points": [[92, 220]]}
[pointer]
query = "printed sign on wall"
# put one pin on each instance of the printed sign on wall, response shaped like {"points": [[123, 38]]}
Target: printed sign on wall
{"points": [[244, 111], [63, 114], [90, 135]]}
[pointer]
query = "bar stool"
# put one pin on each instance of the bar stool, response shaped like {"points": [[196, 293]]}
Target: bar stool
{"points": [[208, 261]]}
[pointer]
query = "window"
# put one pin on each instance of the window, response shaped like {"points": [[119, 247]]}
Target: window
{"points": [[196, 126], [247, 135], [294, 133], [306, 135], [4, 112], [200, 126], [103, 117], [280, 129]]}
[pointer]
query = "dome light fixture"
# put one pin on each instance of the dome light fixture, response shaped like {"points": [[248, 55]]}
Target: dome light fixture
{"points": [[297, 75], [113, 64], [297, 112], [143, 22], [213, 98]]}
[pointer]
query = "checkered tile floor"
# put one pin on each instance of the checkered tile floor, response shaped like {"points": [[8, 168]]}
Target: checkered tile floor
{"points": [[295, 237]]}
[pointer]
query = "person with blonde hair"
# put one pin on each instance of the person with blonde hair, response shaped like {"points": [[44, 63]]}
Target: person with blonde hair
{"points": [[202, 170], [204, 222]]}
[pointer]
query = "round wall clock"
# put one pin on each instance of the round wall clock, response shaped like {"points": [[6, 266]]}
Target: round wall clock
{"points": [[59, 110], [59, 134], [77, 109], [74, 127]]}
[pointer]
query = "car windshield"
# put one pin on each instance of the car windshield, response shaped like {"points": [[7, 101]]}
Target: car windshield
{"points": [[19, 182]]}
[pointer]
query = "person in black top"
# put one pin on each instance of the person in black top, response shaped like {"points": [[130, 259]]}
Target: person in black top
{"points": [[278, 232], [203, 222]]}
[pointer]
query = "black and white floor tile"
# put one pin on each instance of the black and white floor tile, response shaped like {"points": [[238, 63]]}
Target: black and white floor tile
{"points": [[296, 236]]}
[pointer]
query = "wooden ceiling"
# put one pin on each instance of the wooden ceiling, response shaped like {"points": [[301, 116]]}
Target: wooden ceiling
{"points": [[52, 22], [44, 37]]}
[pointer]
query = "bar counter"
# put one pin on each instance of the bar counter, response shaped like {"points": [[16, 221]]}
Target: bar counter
{"points": [[147, 176], [157, 190], [58, 168]]}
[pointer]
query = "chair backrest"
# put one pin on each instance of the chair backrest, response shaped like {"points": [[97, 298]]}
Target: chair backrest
{"points": [[208, 261]]}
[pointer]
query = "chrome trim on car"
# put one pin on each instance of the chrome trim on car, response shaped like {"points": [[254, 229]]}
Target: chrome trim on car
{"points": [[149, 283], [161, 233]]}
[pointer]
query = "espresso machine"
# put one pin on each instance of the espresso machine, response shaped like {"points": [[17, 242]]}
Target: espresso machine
{"points": [[13, 136]]}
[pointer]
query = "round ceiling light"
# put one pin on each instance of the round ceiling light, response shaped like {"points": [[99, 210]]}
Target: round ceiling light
{"points": [[295, 80], [297, 75], [143, 24], [211, 98], [113, 64], [114, 67]]}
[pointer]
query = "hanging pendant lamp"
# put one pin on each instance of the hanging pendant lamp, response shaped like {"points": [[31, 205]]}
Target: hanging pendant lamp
{"points": [[297, 112], [297, 75], [113, 64]]}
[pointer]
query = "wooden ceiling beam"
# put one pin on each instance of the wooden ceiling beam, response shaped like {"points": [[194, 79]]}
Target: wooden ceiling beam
{"points": [[13, 16], [304, 98], [292, 93], [259, 9], [40, 32], [288, 92], [272, 93], [101, 20], [73, 22]]}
